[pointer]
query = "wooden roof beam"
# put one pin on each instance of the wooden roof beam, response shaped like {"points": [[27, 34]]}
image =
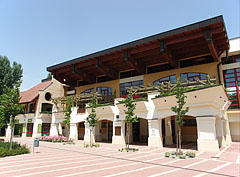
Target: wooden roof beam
{"points": [[108, 71], [137, 65], [168, 55], [211, 46], [83, 75]]}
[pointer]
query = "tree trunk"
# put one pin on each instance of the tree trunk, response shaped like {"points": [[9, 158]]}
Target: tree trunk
{"points": [[90, 142], [11, 136], [180, 142], [177, 141], [128, 134]]}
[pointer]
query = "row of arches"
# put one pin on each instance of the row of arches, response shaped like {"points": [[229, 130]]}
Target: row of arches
{"points": [[123, 86], [139, 131]]}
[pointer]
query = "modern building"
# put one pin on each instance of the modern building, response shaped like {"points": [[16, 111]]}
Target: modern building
{"points": [[231, 72], [36, 120], [198, 52], [191, 52]]}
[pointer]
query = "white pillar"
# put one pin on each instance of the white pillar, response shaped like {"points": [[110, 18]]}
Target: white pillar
{"points": [[8, 132], [220, 132], [73, 131], [59, 128], [207, 139], [119, 139], [53, 129], [168, 131], [35, 128], [87, 134], [155, 133]]}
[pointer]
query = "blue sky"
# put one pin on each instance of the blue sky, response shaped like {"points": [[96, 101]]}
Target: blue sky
{"points": [[42, 33]]}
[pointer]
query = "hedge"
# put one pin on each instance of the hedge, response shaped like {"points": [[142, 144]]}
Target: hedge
{"points": [[17, 149]]}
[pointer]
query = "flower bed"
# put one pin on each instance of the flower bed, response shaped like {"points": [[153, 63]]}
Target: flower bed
{"points": [[55, 139], [17, 149]]}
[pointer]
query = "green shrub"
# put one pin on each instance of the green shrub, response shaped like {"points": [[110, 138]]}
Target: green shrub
{"points": [[182, 156], [167, 154], [191, 154], [16, 150], [86, 145], [97, 145]]}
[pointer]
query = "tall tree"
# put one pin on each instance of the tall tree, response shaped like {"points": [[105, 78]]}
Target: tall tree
{"points": [[10, 107], [9, 75], [67, 113], [180, 112], [92, 119], [130, 115]]}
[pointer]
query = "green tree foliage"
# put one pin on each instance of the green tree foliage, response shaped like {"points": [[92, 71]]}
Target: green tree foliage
{"points": [[9, 75], [92, 119], [10, 107], [130, 115], [180, 112], [67, 113], [49, 76]]}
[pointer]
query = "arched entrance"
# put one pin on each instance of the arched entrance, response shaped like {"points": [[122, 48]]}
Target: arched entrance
{"points": [[188, 132], [138, 132], [81, 130], [104, 131]]}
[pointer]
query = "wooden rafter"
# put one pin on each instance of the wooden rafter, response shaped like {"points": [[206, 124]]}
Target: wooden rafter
{"points": [[211, 46], [83, 75], [168, 55], [108, 71], [135, 64]]}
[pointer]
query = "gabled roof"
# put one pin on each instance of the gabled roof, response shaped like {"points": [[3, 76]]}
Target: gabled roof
{"points": [[32, 93]]}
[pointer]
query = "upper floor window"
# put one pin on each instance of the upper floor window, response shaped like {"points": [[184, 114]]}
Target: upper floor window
{"points": [[124, 86], [232, 84], [231, 59], [91, 90], [191, 76], [171, 78], [104, 90]]}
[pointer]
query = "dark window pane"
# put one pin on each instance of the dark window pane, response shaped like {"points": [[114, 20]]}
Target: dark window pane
{"points": [[230, 80], [229, 75], [230, 84]]}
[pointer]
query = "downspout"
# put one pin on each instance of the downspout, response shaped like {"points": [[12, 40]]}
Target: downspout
{"points": [[218, 68]]}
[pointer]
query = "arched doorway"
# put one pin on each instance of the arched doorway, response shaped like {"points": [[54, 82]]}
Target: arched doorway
{"points": [[188, 131], [104, 131], [138, 132], [81, 130]]}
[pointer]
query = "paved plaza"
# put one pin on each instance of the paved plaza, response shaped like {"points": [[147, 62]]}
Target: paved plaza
{"points": [[55, 159]]}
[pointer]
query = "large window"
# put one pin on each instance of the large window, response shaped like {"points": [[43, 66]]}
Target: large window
{"points": [[124, 86], [232, 84], [91, 90], [191, 76], [171, 78], [104, 90]]}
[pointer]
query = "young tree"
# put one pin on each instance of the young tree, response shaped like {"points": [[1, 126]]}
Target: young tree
{"points": [[130, 115], [67, 113], [92, 119], [180, 112], [10, 107], [9, 76]]}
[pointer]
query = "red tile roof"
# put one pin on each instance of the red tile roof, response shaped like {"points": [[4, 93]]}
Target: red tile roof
{"points": [[32, 93]]}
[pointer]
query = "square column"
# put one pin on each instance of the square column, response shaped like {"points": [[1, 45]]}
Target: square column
{"points": [[221, 137], [8, 132], [168, 131], [118, 133], [53, 130], [155, 133], [73, 131], [207, 139], [36, 131], [87, 134]]}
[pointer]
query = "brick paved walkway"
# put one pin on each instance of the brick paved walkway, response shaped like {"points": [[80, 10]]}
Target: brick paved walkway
{"points": [[53, 159]]}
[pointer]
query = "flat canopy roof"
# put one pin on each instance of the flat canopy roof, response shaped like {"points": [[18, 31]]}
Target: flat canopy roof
{"points": [[201, 39]]}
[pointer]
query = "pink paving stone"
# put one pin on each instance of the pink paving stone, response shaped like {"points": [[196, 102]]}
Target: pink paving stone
{"points": [[205, 166], [82, 169], [56, 167], [184, 162], [148, 172], [181, 173], [43, 163], [231, 170]]}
